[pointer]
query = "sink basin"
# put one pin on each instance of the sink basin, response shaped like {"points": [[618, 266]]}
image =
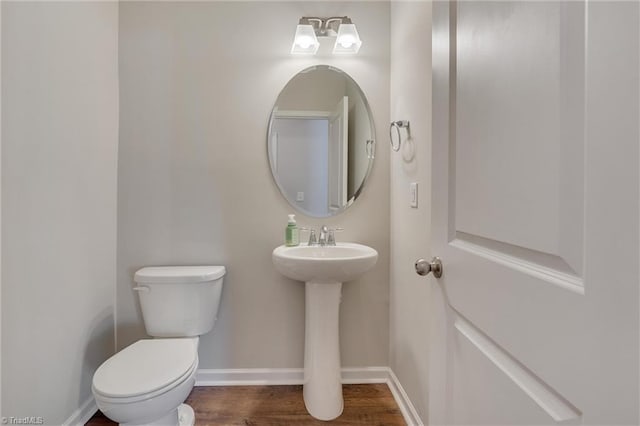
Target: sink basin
{"points": [[323, 269], [328, 264]]}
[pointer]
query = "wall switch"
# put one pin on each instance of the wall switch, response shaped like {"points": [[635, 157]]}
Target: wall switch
{"points": [[413, 194], [300, 196]]}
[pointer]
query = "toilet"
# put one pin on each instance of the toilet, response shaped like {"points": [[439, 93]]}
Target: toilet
{"points": [[147, 382]]}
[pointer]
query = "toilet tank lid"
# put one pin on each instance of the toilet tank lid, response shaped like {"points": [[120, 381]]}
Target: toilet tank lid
{"points": [[182, 274]]}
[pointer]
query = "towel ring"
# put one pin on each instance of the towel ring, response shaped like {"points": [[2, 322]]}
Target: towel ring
{"points": [[404, 124]]}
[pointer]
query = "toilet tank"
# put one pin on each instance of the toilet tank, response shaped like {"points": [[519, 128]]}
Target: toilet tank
{"points": [[179, 301]]}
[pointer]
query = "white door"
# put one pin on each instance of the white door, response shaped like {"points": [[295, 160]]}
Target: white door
{"points": [[535, 212], [338, 152]]}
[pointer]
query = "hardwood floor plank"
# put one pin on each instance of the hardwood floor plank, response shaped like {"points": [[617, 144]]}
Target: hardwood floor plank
{"points": [[370, 404]]}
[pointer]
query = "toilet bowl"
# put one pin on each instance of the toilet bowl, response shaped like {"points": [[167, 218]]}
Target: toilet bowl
{"points": [[147, 382]]}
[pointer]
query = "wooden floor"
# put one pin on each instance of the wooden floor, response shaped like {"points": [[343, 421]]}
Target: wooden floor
{"points": [[371, 405]]}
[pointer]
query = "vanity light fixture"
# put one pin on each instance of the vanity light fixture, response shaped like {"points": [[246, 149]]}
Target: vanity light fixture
{"points": [[348, 40], [305, 42], [310, 28]]}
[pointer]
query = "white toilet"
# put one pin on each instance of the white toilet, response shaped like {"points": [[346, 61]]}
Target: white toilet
{"points": [[147, 382]]}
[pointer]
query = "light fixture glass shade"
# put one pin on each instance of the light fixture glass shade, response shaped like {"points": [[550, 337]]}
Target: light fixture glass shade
{"points": [[348, 40], [305, 41]]}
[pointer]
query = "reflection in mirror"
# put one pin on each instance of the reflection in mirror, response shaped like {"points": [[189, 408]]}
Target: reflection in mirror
{"points": [[320, 141]]}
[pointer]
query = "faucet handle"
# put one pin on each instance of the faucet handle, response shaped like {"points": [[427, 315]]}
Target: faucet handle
{"points": [[313, 240], [331, 238]]}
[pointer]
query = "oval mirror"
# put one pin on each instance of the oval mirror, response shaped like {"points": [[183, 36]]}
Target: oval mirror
{"points": [[321, 141]]}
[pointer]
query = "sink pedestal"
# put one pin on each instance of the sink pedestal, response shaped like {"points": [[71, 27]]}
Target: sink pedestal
{"points": [[322, 387], [323, 269]]}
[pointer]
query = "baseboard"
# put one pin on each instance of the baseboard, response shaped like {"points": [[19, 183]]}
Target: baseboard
{"points": [[402, 399], [249, 377], [283, 376], [82, 414], [360, 375], [295, 376]]}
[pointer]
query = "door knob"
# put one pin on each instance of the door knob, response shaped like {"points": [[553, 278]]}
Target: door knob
{"points": [[423, 267]]}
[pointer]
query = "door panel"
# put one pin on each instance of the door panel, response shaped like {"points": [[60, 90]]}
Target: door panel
{"points": [[535, 210], [509, 102], [486, 395], [513, 111]]}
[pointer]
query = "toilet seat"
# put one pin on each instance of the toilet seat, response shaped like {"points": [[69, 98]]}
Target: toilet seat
{"points": [[145, 369], [189, 375]]}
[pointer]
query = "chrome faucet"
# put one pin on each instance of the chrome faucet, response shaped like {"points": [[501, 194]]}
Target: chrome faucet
{"points": [[326, 237], [324, 232]]}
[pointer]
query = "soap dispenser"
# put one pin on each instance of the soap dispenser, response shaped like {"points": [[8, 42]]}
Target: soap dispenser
{"points": [[292, 238]]}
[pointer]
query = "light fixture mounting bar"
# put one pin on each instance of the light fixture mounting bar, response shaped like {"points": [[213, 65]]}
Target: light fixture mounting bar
{"points": [[325, 27]]}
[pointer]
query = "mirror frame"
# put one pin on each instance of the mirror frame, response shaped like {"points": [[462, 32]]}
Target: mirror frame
{"points": [[372, 126]]}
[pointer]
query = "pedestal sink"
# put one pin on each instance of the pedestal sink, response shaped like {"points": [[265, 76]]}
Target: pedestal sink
{"points": [[323, 269]]}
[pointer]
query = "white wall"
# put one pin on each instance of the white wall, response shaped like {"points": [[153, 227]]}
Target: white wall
{"points": [[59, 152], [198, 82], [410, 228]]}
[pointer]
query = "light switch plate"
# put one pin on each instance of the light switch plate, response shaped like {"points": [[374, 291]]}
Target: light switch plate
{"points": [[413, 195]]}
